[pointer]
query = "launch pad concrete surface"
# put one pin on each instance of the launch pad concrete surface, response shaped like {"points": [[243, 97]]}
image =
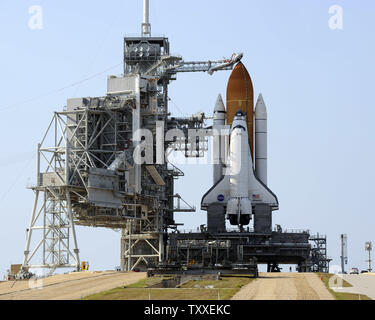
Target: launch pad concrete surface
{"points": [[361, 284], [70, 286], [285, 286]]}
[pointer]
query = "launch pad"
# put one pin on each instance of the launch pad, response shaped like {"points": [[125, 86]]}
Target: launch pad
{"points": [[103, 163], [235, 252]]}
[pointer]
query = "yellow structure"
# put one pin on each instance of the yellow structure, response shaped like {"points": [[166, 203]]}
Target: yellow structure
{"points": [[84, 265]]}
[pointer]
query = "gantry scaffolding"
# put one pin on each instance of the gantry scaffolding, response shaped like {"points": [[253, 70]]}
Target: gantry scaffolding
{"points": [[318, 256], [87, 175]]}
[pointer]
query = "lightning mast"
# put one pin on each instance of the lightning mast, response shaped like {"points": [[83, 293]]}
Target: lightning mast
{"points": [[146, 26], [344, 252], [368, 247]]}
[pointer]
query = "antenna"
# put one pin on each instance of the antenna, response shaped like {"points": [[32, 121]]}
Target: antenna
{"points": [[368, 247], [146, 26], [344, 252]]}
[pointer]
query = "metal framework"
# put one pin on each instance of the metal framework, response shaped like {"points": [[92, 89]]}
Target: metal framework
{"points": [[319, 260], [368, 248], [52, 210], [86, 139]]}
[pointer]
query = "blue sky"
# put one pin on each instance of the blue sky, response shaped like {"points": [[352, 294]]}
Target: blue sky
{"points": [[316, 82]]}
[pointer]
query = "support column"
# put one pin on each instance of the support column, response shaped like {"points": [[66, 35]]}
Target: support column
{"points": [[122, 250], [30, 231], [137, 136], [129, 246], [70, 216]]}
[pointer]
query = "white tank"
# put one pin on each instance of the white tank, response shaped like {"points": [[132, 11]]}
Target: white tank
{"points": [[261, 140], [218, 152]]}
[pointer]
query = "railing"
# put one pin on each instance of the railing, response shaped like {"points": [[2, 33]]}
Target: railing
{"points": [[228, 230], [318, 237], [189, 230], [233, 230], [294, 231]]}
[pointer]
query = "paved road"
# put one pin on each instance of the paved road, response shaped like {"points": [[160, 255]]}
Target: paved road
{"points": [[284, 286], [361, 284], [70, 286]]}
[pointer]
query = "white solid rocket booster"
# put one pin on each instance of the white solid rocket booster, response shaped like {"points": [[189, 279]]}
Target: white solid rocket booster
{"points": [[261, 140], [218, 152]]}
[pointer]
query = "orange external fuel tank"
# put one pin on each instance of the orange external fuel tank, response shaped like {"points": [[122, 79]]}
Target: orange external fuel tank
{"points": [[240, 96]]}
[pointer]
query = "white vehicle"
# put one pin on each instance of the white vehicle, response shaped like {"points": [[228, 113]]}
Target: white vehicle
{"points": [[354, 271]]}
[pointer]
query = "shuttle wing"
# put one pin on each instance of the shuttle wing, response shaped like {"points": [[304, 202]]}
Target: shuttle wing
{"points": [[219, 193], [258, 192]]}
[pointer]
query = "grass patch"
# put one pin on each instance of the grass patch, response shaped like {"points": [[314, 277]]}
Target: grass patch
{"points": [[326, 276], [350, 296], [139, 284], [192, 290], [164, 294], [341, 295], [234, 282]]}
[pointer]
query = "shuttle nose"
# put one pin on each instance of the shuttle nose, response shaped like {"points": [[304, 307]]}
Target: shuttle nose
{"points": [[239, 113]]}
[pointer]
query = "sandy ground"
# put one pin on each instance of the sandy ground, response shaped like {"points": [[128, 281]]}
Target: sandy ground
{"points": [[285, 286], [361, 284], [70, 286]]}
